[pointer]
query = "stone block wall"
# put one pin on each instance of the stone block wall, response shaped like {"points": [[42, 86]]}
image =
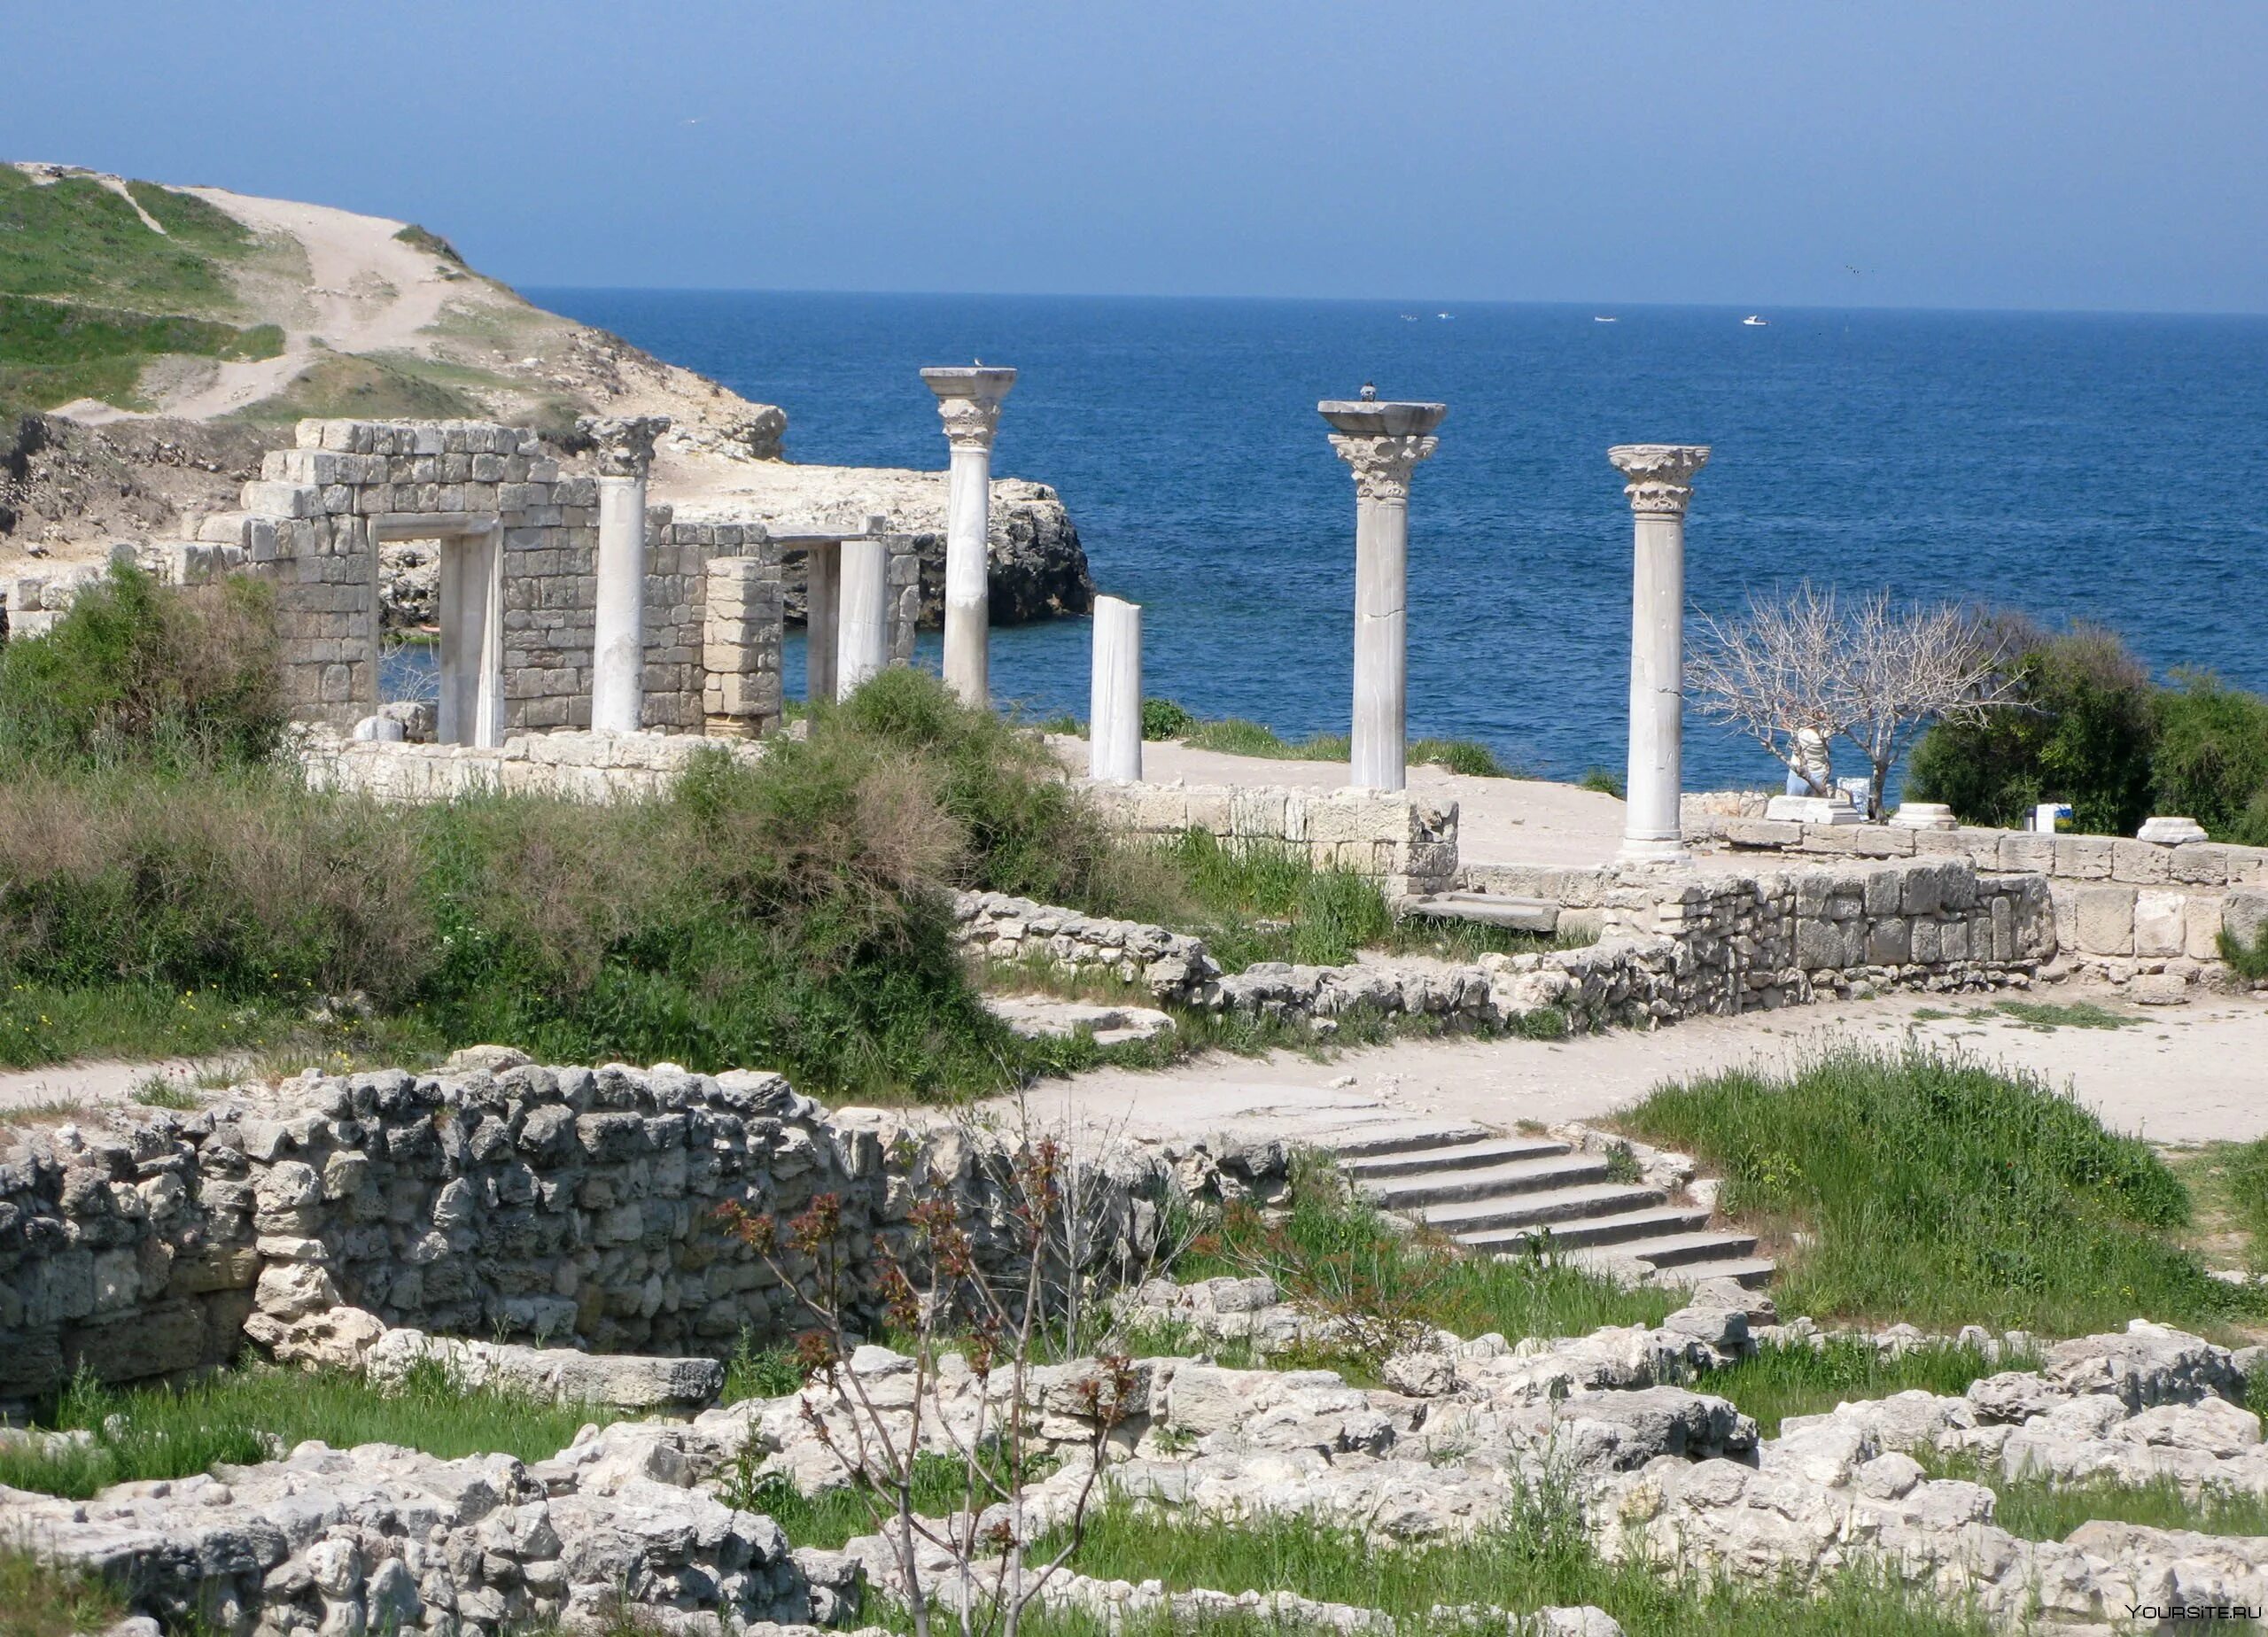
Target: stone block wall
{"points": [[1781, 937], [1408, 844], [313, 521], [740, 648], [2123, 909], [571, 1203], [578, 765]]}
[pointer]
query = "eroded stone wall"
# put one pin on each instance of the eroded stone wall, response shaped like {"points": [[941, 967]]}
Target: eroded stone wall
{"points": [[576, 1205]]}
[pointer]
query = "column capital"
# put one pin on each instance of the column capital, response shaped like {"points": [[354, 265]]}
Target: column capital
{"points": [[625, 442], [969, 402], [1660, 475], [1383, 442], [1382, 463]]}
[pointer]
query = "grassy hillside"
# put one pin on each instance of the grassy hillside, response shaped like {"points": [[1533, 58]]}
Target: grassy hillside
{"points": [[90, 296]]}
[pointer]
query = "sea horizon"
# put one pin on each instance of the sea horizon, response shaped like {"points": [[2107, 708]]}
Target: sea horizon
{"points": [[2070, 464]]}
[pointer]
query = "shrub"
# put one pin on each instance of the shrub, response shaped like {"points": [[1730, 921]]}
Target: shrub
{"points": [[1162, 719], [1937, 1189], [2210, 763], [1459, 756], [136, 672], [2080, 730], [1339, 913], [1605, 780]]}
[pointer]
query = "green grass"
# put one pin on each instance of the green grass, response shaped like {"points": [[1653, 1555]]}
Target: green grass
{"points": [[432, 244], [40, 1599], [2047, 1016], [1255, 903], [1237, 736], [55, 351], [1604, 781], [1336, 1255], [1790, 1378], [2248, 961], [1939, 1190], [831, 1517], [336, 384], [1538, 1556], [242, 1416], [77, 239], [2042, 1509]]}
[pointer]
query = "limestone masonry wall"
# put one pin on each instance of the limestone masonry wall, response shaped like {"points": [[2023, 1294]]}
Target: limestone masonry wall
{"points": [[582, 766], [1675, 944], [2123, 909], [573, 1204], [1408, 843]]}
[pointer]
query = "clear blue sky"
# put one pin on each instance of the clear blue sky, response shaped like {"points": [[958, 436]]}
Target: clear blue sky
{"points": [[2078, 154]]}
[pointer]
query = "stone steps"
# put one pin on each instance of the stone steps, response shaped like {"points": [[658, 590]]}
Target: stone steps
{"points": [[1496, 1193], [1467, 1155], [1425, 1190]]}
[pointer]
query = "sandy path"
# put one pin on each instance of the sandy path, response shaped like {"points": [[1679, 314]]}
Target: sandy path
{"points": [[2184, 1075], [367, 291]]}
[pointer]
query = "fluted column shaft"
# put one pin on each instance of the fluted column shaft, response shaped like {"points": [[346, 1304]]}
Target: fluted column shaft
{"points": [[1659, 484]]}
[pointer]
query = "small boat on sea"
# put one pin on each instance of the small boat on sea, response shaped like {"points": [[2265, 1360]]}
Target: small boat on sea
{"points": [[1754, 322], [1596, 320]]}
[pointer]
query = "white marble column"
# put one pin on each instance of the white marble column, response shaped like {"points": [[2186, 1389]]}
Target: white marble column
{"points": [[1660, 482], [863, 646], [969, 402], [625, 447], [822, 583], [1383, 442], [1114, 697]]}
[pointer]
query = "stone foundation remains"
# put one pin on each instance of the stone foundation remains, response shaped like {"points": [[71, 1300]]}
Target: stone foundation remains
{"points": [[2127, 910], [1674, 945], [572, 1205]]}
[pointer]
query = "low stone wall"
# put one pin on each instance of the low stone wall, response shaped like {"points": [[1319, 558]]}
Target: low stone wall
{"points": [[1775, 938], [580, 766], [2123, 909], [1674, 946], [1408, 844], [574, 1205]]}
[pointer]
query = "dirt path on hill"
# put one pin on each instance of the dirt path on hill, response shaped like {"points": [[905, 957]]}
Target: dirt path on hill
{"points": [[367, 291]]}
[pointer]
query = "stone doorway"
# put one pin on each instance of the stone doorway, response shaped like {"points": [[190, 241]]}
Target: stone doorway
{"points": [[443, 662]]}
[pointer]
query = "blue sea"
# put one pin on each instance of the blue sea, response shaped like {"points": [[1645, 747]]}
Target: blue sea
{"points": [[2099, 467]]}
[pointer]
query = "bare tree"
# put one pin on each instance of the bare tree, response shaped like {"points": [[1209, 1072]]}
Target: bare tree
{"points": [[1909, 666], [1874, 672], [1773, 673], [990, 1306]]}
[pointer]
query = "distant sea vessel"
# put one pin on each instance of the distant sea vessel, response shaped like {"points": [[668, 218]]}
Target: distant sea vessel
{"points": [[1444, 316], [1758, 323], [1596, 320]]}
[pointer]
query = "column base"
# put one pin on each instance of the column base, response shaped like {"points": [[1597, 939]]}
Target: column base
{"points": [[1654, 850]]}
